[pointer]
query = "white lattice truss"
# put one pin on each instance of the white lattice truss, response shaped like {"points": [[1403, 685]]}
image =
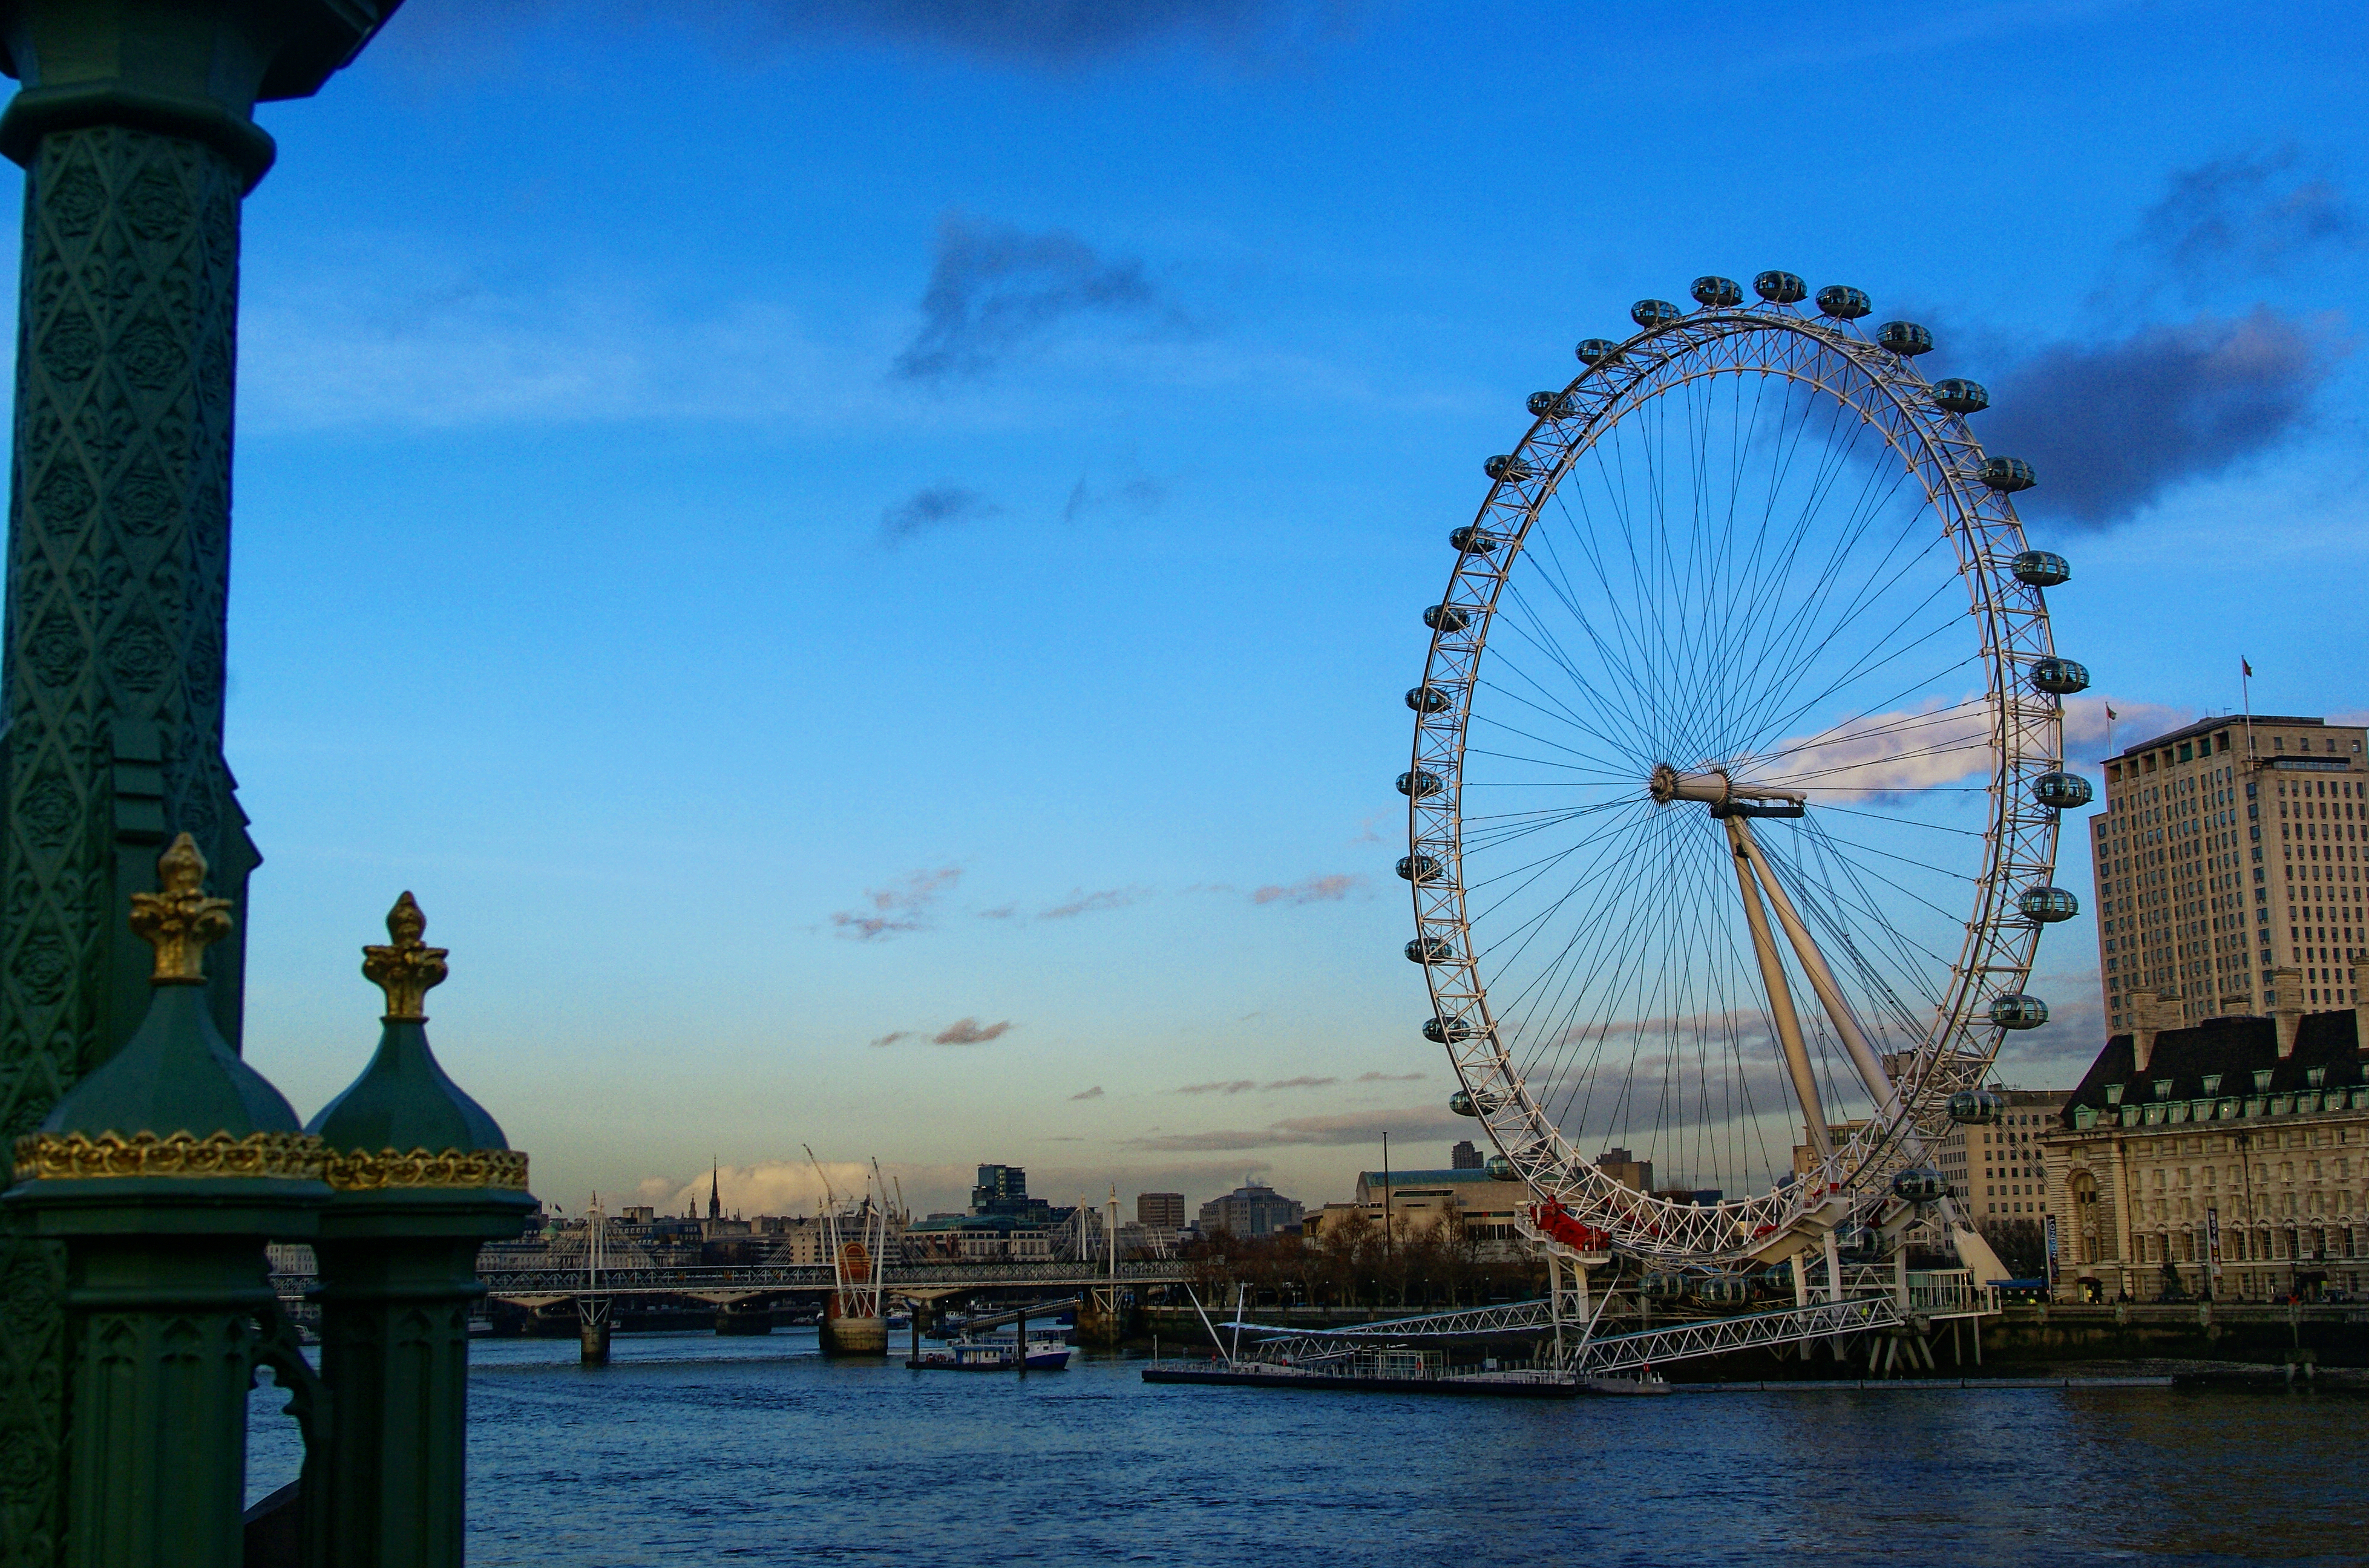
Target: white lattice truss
{"points": [[1959, 1044]]}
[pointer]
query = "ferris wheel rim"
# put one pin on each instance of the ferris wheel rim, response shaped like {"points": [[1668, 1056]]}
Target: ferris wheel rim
{"points": [[2018, 844]]}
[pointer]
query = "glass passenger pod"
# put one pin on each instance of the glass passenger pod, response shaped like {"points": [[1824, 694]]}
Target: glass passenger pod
{"points": [[2006, 474], [1780, 288], [1654, 312], [1418, 784], [2061, 792], [1920, 1186], [1478, 540], [1427, 699], [1905, 338], [1507, 469], [1858, 1240], [1549, 405], [2059, 676], [1418, 867], [2046, 906], [1448, 1031], [1716, 292], [1461, 1104], [1500, 1169], [1960, 396], [1977, 1107], [2039, 569], [1844, 303], [1446, 617], [1721, 1289], [2016, 1011], [1664, 1285], [1429, 950], [1596, 351]]}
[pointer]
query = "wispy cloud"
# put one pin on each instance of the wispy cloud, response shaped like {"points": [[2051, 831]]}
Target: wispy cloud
{"points": [[1314, 890], [1000, 912], [1084, 903], [1093, 1093], [2249, 213], [891, 1037], [902, 907], [930, 508], [969, 1032], [995, 289], [1391, 1077], [1138, 495], [1333, 1132], [1245, 1085]]}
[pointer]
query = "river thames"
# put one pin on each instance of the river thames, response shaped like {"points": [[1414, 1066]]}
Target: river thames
{"points": [[691, 1449]]}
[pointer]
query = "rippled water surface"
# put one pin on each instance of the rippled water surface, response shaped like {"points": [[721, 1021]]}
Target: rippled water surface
{"points": [[693, 1449]]}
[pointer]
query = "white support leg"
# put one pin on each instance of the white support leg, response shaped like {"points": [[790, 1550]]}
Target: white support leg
{"points": [[1781, 998]]}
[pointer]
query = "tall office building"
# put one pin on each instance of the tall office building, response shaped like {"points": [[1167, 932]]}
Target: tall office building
{"points": [[2229, 861], [1160, 1211]]}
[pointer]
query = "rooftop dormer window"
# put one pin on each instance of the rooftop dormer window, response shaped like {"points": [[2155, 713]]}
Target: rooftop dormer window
{"points": [[2262, 1081], [2211, 1083]]}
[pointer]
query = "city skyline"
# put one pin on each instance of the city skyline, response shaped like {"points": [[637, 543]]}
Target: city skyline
{"points": [[788, 641]]}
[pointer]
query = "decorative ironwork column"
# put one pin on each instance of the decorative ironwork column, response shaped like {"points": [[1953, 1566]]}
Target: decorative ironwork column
{"points": [[422, 1177], [162, 1174], [134, 126]]}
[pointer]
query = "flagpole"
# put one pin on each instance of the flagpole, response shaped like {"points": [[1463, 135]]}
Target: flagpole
{"points": [[2245, 691]]}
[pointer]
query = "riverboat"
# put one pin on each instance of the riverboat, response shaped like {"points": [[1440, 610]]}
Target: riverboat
{"points": [[1048, 1353]]}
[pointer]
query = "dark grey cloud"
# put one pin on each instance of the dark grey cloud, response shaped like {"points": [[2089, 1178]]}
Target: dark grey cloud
{"points": [[1330, 1132], [2109, 425], [969, 1032], [2248, 214], [995, 289], [931, 508], [1093, 1093]]}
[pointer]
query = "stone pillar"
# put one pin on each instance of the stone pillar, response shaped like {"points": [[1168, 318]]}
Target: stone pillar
{"points": [[134, 127], [2143, 1007], [2359, 975]]}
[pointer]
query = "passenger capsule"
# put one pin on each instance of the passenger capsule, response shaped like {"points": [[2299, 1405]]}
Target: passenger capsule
{"points": [[1920, 1186], [2059, 676], [1780, 288], [1430, 950], [1427, 699], [1446, 617], [2006, 473], [1419, 784], [1446, 1031], [1864, 1240], [2046, 906], [1500, 1169], [1844, 303], [1506, 469], [2061, 792], [1596, 351], [1905, 338], [1478, 540], [1461, 1104], [1665, 1286], [2041, 569], [1721, 1289], [1962, 396], [1549, 405], [1654, 312], [1717, 292], [1977, 1107], [2016, 1011], [1418, 867]]}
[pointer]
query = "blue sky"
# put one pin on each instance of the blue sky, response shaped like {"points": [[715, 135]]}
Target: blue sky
{"points": [[798, 527]]}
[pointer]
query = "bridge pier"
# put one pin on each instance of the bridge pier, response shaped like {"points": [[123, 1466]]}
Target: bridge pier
{"points": [[592, 1331]]}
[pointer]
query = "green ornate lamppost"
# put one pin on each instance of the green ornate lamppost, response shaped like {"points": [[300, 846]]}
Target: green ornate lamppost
{"points": [[422, 1177]]}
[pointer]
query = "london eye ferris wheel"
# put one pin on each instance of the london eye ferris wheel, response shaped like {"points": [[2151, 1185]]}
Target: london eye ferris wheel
{"points": [[1736, 768]]}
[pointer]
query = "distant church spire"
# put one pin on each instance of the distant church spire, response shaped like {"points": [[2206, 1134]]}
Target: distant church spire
{"points": [[715, 1192]]}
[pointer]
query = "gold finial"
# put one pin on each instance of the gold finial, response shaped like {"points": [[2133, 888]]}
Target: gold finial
{"points": [[410, 969], [180, 922]]}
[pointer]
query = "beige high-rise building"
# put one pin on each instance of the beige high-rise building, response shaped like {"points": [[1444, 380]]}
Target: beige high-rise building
{"points": [[2229, 858]]}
